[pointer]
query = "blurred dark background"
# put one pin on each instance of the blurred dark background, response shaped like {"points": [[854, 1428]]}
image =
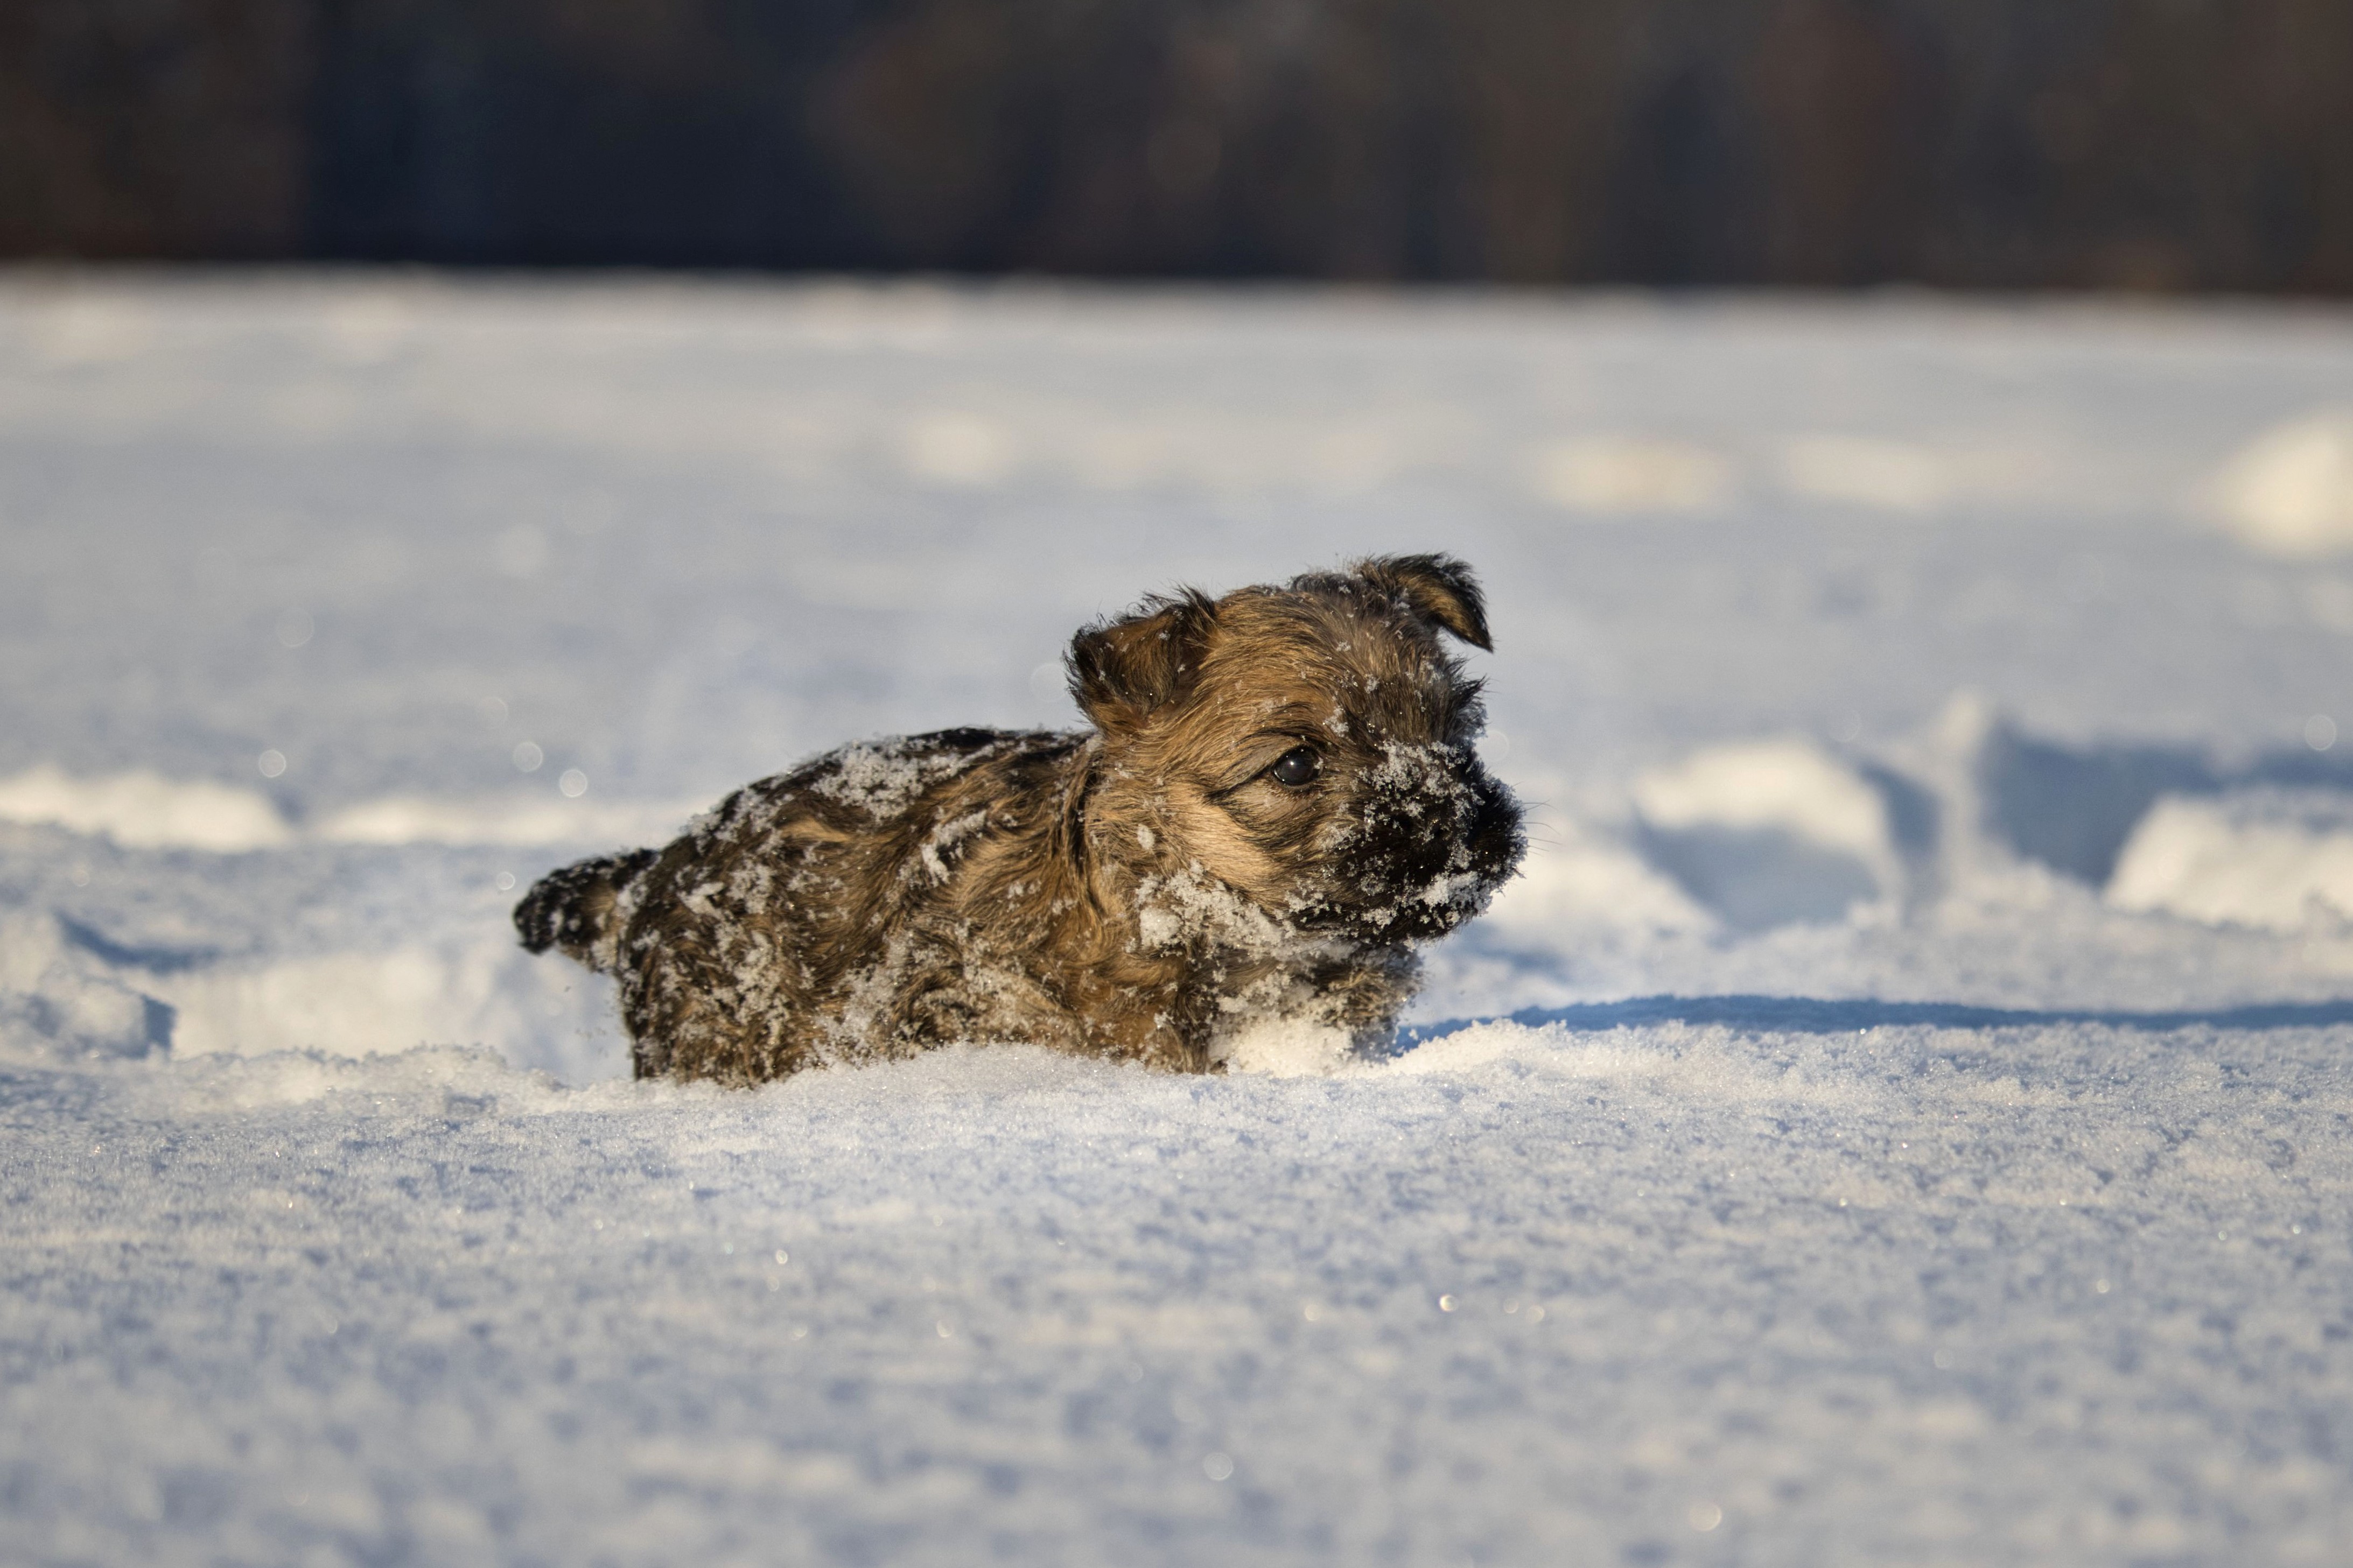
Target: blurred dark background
{"points": [[2150, 144]]}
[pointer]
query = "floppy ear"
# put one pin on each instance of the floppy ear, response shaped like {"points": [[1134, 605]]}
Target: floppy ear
{"points": [[1121, 670], [1438, 588]]}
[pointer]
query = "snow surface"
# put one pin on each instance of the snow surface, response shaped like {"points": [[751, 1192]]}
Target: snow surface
{"points": [[1911, 1124]]}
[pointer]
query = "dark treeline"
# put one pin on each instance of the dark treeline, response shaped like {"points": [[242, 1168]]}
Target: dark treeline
{"points": [[2135, 143]]}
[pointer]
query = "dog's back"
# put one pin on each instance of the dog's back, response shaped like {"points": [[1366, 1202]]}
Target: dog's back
{"points": [[819, 914]]}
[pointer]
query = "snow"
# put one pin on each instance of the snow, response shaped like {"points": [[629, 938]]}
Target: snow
{"points": [[1769, 831], [2290, 491], [1899, 1116], [2276, 858], [144, 810]]}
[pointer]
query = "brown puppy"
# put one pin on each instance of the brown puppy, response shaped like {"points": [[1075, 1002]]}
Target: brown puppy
{"points": [[1278, 798]]}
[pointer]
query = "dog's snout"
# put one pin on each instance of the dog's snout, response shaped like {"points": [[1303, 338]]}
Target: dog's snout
{"points": [[1437, 836], [1494, 831]]}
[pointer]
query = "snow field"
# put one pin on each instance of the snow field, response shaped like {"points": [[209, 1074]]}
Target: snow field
{"points": [[1899, 1118], [1653, 1293]]}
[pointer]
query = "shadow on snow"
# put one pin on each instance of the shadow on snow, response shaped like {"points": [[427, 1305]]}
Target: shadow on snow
{"points": [[1810, 1015]]}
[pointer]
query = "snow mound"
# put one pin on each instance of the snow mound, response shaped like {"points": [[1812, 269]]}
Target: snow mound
{"points": [[1580, 875], [60, 1001], [2289, 492], [145, 810], [358, 1004], [535, 819], [1863, 471], [1769, 832], [2279, 859], [1741, 837], [1630, 474]]}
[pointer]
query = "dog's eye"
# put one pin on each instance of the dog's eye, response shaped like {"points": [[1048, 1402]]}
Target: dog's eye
{"points": [[1297, 767]]}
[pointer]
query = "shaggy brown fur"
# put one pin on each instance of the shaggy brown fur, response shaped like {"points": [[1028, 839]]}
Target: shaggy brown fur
{"points": [[1277, 799]]}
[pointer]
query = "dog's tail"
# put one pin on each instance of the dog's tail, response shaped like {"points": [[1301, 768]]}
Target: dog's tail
{"points": [[577, 909]]}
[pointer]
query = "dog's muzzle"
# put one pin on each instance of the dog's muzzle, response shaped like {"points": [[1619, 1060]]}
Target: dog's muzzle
{"points": [[1434, 836]]}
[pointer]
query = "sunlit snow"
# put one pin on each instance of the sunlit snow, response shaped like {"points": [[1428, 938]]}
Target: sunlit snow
{"points": [[1899, 1116]]}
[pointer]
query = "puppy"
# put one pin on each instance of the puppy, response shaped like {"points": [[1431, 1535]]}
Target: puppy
{"points": [[1276, 800]]}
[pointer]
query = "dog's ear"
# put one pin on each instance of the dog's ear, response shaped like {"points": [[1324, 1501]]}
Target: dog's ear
{"points": [[1438, 588], [1122, 670]]}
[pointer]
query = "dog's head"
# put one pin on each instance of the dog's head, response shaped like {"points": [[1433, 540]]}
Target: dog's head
{"points": [[1307, 748]]}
